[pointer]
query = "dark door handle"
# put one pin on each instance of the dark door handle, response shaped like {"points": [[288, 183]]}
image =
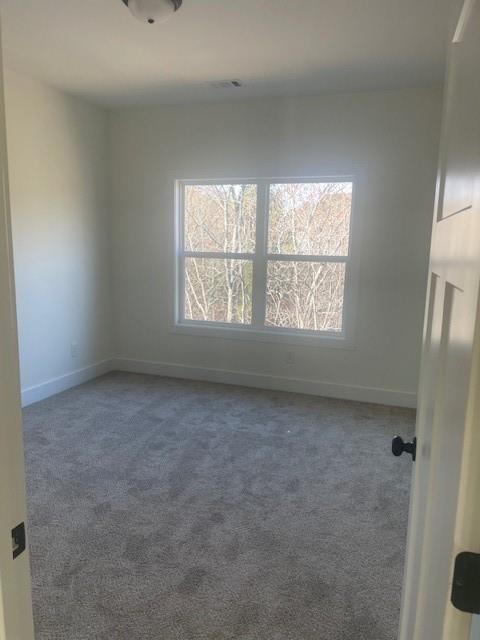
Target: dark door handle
{"points": [[399, 446]]}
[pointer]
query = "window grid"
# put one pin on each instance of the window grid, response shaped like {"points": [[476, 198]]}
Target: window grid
{"points": [[260, 258]]}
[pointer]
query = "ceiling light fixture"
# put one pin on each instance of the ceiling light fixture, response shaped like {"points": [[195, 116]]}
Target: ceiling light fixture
{"points": [[152, 11]]}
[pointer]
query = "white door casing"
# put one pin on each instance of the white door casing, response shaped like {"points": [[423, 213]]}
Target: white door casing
{"points": [[444, 516], [15, 596]]}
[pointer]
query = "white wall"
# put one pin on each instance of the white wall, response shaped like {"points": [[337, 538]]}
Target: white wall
{"points": [[59, 187], [388, 140]]}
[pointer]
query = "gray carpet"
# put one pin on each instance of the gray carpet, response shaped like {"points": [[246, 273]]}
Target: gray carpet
{"points": [[175, 510]]}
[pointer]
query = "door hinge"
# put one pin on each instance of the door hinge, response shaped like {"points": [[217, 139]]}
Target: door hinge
{"points": [[466, 582], [18, 540]]}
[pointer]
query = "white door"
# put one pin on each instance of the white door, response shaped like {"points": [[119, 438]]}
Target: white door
{"points": [[15, 599], [445, 508]]}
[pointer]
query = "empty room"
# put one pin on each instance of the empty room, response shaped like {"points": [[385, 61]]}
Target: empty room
{"points": [[239, 320]]}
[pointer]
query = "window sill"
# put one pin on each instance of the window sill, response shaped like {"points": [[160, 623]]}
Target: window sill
{"points": [[279, 336]]}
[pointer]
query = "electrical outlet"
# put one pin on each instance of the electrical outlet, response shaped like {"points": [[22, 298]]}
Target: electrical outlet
{"points": [[290, 359], [74, 350]]}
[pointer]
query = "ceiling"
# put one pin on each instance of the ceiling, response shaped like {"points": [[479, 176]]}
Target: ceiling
{"points": [[96, 49]]}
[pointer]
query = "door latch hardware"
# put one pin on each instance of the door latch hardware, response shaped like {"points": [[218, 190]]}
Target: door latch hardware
{"points": [[466, 582], [18, 540], [399, 446]]}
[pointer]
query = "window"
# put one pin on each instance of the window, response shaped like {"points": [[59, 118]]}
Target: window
{"points": [[264, 257]]}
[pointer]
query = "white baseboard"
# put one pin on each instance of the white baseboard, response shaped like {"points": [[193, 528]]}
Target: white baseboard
{"points": [[263, 381], [225, 376], [62, 383]]}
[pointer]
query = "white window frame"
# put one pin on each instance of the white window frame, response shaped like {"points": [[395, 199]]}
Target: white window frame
{"points": [[257, 330]]}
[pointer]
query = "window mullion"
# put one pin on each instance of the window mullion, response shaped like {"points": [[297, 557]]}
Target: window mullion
{"points": [[299, 257], [260, 259], [217, 255]]}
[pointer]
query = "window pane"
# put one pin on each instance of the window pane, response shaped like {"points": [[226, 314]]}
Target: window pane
{"points": [[305, 295], [218, 290], [310, 219], [220, 217]]}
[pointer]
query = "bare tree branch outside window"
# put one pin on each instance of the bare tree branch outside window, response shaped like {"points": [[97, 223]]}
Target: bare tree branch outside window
{"points": [[219, 218], [305, 256], [307, 219]]}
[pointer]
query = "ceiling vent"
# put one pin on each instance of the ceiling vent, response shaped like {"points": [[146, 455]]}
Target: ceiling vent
{"points": [[226, 84]]}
